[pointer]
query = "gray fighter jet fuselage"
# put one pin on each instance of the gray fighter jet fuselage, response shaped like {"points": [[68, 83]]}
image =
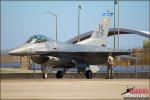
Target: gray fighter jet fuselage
{"points": [[59, 52], [50, 53]]}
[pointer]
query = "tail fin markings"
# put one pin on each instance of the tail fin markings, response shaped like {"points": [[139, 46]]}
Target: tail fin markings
{"points": [[99, 36]]}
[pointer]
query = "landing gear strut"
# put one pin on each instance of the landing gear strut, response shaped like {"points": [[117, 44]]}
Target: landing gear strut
{"points": [[44, 72]]}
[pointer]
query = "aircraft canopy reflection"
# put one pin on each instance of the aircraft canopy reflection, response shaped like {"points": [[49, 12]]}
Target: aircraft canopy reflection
{"points": [[38, 39]]}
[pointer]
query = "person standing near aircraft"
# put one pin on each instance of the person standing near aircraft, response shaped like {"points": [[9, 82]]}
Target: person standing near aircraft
{"points": [[110, 64]]}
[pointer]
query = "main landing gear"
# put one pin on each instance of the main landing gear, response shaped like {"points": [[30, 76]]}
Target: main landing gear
{"points": [[88, 74], [59, 74]]}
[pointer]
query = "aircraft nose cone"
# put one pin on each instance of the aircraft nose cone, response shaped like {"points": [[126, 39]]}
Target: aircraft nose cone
{"points": [[18, 51], [13, 52]]}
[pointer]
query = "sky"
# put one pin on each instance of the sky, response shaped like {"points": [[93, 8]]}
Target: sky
{"points": [[22, 19]]}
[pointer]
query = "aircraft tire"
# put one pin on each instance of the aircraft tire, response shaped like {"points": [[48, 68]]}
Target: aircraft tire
{"points": [[89, 74], [59, 74]]}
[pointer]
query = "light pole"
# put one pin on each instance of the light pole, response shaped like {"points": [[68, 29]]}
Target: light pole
{"points": [[118, 22], [55, 15], [115, 2], [79, 7]]}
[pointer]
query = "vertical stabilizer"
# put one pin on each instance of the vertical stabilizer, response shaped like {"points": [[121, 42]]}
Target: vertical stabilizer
{"points": [[99, 36]]}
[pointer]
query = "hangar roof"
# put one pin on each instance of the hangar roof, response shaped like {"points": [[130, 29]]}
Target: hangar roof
{"points": [[111, 32]]}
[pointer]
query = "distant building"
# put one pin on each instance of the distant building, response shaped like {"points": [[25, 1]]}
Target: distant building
{"points": [[111, 33]]}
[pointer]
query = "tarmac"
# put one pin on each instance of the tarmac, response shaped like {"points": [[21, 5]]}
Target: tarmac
{"points": [[68, 88]]}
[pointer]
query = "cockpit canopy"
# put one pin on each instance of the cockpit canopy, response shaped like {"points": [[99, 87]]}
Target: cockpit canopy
{"points": [[37, 39]]}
